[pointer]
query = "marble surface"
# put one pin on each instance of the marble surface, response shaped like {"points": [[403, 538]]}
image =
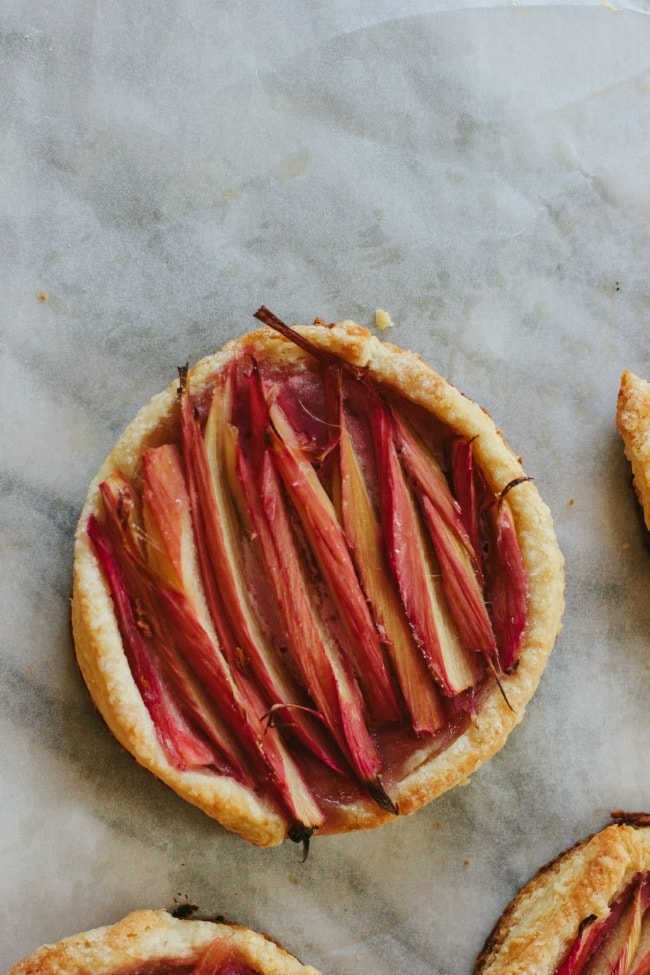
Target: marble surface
{"points": [[481, 171]]}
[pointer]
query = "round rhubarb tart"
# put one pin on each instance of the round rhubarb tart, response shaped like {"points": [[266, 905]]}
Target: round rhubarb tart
{"points": [[313, 586], [156, 943], [586, 913]]}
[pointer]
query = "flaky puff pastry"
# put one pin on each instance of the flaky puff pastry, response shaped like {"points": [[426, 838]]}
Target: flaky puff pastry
{"points": [[429, 772], [150, 942], [538, 928], [633, 421]]}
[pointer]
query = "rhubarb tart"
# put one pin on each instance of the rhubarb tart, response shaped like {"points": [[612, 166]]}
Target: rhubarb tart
{"points": [[313, 586], [633, 421], [586, 913], [156, 943]]}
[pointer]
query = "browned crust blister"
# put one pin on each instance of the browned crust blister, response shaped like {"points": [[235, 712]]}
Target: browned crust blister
{"points": [[537, 929], [633, 421], [144, 937], [104, 665]]}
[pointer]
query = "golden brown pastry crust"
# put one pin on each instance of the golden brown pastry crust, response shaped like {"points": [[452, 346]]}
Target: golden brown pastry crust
{"points": [[97, 639], [537, 929], [149, 936], [633, 421]]}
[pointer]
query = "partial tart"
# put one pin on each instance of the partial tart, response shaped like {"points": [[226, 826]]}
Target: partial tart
{"points": [[156, 943], [586, 913], [633, 421], [313, 586]]}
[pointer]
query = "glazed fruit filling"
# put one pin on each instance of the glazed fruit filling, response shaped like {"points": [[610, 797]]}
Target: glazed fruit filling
{"points": [[219, 958], [313, 583], [619, 943]]}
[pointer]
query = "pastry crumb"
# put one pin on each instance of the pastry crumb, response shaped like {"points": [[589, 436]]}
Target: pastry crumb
{"points": [[383, 319]]}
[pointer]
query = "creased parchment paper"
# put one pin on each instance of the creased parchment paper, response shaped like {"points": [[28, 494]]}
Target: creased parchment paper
{"points": [[480, 172]]}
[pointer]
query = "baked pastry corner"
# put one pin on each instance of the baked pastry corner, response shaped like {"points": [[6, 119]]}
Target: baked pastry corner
{"points": [[537, 931], [633, 421]]}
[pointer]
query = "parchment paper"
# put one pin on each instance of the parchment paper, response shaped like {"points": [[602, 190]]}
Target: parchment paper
{"points": [[480, 171]]}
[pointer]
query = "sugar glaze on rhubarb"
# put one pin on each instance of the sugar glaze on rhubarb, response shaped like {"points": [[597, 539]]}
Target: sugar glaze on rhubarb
{"points": [[314, 585]]}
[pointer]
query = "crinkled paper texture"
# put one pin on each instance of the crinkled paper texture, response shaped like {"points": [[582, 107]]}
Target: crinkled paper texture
{"points": [[479, 173]]}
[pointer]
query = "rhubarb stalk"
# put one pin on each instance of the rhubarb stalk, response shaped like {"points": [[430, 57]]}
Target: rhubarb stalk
{"points": [[609, 946], [318, 519], [362, 533], [326, 673], [183, 747], [506, 585], [123, 529], [193, 614], [417, 575], [208, 459], [450, 541]]}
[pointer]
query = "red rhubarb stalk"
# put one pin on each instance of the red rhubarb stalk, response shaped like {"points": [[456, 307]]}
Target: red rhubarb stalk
{"points": [[499, 560], [642, 967], [637, 933], [326, 676], [506, 585], [220, 554], [182, 746], [194, 612], [323, 531], [460, 585], [463, 477], [589, 935], [222, 957], [326, 673], [450, 541], [426, 473], [362, 534], [123, 528], [632, 935], [416, 574], [243, 708], [608, 946]]}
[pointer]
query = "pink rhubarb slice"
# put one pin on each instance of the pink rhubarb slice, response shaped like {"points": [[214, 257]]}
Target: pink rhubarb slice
{"points": [[323, 531], [450, 541], [417, 575], [194, 613], [209, 458], [363, 537], [326, 673]]}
